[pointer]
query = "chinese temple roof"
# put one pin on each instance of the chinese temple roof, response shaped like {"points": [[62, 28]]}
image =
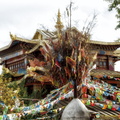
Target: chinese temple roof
{"points": [[104, 43], [36, 40], [17, 40], [116, 53], [45, 33], [100, 73]]}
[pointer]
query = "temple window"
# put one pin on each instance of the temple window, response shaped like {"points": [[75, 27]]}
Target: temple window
{"points": [[104, 63], [17, 65], [101, 63]]}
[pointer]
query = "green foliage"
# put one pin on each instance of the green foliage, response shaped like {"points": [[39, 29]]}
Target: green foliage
{"points": [[21, 86], [6, 77], [118, 40], [115, 4], [37, 94], [23, 90], [7, 96]]}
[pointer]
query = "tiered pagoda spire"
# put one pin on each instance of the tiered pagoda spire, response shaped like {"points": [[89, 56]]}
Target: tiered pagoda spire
{"points": [[59, 24]]}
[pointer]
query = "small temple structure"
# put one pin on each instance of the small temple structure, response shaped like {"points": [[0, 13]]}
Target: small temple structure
{"points": [[105, 63]]}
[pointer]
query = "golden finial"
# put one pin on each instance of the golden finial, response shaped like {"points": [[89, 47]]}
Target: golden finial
{"points": [[59, 24], [13, 37]]}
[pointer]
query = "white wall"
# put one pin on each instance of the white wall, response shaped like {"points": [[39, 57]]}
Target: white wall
{"points": [[0, 69], [117, 66]]}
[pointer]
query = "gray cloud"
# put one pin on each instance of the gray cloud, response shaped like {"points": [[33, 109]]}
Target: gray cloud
{"points": [[25, 16]]}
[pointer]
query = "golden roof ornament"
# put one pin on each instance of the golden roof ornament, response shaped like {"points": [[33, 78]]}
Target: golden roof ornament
{"points": [[13, 37], [59, 24]]}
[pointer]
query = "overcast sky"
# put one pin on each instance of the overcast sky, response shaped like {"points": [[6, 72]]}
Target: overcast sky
{"points": [[23, 17]]}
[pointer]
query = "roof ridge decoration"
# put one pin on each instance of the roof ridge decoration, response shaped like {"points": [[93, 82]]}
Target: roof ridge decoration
{"points": [[40, 43], [14, 37], [33, 49]]}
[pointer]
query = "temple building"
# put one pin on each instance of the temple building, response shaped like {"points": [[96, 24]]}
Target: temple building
{"points": [[17, 55], [40, 65], [23, 54], [105, 63]]}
